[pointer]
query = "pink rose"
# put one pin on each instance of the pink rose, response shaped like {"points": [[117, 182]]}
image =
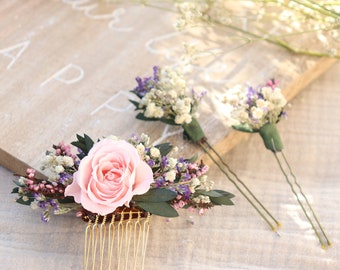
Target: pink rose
{"points": [[109, 176]]}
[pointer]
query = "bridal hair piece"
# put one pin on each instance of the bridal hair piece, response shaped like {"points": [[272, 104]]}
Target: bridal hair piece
{"points": [[116, 186], [258, 110]]}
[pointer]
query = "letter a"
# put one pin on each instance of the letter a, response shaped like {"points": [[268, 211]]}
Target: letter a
{"points": [[21, 47]]}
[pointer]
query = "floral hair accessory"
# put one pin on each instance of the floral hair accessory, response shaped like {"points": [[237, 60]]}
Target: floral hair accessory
{"points": [[120, 181], [165, 97], [112, 174], [259, 110]]}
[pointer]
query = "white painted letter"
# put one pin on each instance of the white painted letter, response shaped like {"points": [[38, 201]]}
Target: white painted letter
{"points": [[60, 75], [112, 24], [21, 47]]}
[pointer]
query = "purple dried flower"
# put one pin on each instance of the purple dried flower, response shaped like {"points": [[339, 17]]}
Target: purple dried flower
{"points": [[151, 162], [164, 161]]}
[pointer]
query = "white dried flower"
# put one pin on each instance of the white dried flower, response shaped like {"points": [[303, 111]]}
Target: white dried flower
{"points": [[154, 152], [59, 169], [68, 161], [170, 175]]}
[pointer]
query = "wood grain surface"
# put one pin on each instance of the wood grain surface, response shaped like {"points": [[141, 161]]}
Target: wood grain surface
{"points": [[67, 67]]}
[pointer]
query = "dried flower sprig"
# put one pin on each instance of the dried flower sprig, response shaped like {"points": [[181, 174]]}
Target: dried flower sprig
{"points": [[289, 24], [258, 110], [175, 182], [165, 97]]}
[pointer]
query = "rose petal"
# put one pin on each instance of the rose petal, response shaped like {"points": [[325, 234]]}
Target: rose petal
{"points": [[143, 179]]}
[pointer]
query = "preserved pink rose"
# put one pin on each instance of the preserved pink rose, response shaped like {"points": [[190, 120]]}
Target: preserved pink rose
{"points": [[109, 176]]}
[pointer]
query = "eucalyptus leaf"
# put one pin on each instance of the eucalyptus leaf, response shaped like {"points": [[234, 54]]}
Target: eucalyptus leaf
{"points": [[140, 116], [222, 200], [244, 128], [163, 209], [156, 195], [193, 158], [210, 193], [225, 193], [18, 183], [168, 121], [164, 148]]}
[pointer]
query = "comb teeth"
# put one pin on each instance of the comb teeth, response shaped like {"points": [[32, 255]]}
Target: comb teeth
{"points": [[120, 214], [116, 241]]}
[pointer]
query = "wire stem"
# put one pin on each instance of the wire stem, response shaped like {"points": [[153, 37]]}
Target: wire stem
{"points": [[244, 185], [297, 198], [273, 228], [305, 197]]}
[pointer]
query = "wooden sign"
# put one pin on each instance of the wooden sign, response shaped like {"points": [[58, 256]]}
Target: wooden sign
{"points": [[66, 67]]}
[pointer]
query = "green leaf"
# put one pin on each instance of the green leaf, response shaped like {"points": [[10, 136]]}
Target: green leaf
{"points": [[193, 158], [66, 200], [79, 145], [84, 144], [244, 128], [18, 183], [164, 148], [140, 116], [224, 193], [169, 121], [163, 209], [193, 131], [88, 142], [271, 137], [222, 200], [15, 190], [79, 138], [210, 193], [156, 195], [27, 202], [135, 103], [135, 93]]}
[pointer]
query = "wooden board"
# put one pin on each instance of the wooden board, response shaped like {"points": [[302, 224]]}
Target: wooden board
{"points": [[67, 67]]}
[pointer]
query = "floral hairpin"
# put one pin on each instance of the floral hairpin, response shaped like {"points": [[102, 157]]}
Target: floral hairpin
{"points": [[258, 110], [166, 97], [115, 180]]}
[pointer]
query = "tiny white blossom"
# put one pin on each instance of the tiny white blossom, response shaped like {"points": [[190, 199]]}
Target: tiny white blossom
{"points": [[140, 148], [59, 169], [172, 162], [154, 152], [34, 205], [68, 161], [145, 139], [112, 137], [170, 175], [59, 160], [22, 180]]}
